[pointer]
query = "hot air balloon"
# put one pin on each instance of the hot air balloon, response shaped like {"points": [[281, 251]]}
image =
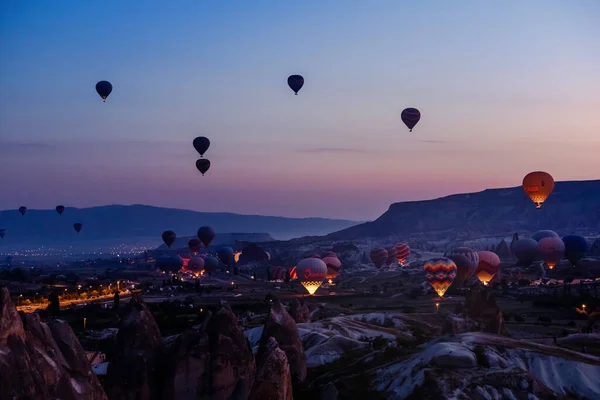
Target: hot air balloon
{"points": [[2, 233], [225, 254], [268, 255], [539, 235], [402, 252], [104, 88], [311, 272], [211, 264], [60, 209], [378, 257], [277, 273], [392, 253], [22, 210], [552, 249], [172, 263], [169, 237], [440, 273], [295, 82], [329, 254], [538, 186], [201, 144], [488, 266], [293, 273], [333, 267], [253, 253], [195, 245], [470, 254], [410, 117], [77, 226], [526, 251], [203, 165], [236, 256], [575, 248], [464, 269], [196, 264], [206, 234]]}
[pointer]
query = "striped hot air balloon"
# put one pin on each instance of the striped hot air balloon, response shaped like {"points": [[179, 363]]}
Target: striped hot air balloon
{"points": [[410, 117], [463, 269], [392, 252], [402, 252], [312, 272], [487, 267], [470, 254], [333, 267], [378, 257], [552, 250], [440, 273]]}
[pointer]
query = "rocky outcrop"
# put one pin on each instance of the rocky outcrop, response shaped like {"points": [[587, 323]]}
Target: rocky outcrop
{"points": [[481, 305], [299, 311], [273, 380], [281, 326], [42, 361], [135, 368]]}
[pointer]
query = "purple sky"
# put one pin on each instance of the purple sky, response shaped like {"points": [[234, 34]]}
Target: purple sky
{"points": [[503, 89]]}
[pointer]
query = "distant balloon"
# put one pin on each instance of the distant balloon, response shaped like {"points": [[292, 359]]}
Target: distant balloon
{"points": [[402, 252], [22, 210], [378, 257], [206, 234], [172, 263], [440, 273], [329, 254], [575, 248], [2, 233], [60, 209], [526, 251], [203, 165], [169, 237], [333, 267], [552, 250], [470, 254], [488, 266], [201, 144], [195, 245], [196, 264], [104, 88], [211, 265], [392, 253], [77, 226], [311, 272], [295, 82], [277, 273], [539, 235], [538, 186], [225, 254], [410, 117]]}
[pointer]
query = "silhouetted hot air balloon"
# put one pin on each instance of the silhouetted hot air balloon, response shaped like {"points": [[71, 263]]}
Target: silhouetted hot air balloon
{"points": [[552, 249], [171, 263], [333, 267], [402, 252], [575, 248], [546, 233], [203, 165], [329, 254], [2, 233], [104, 88], [410, 117], [195, 245], [169, 237], [470, 254], [206, 234], [225, 254], [440, 273], [196, 264], [277, 273], [77, 226], [464, 269], [378, 257], [22, 210], [295, 82], [538, 186], [201, 144], [392, 253], [60, 209], [526, 251], [488, 266], [311, 272], [211, 264]]}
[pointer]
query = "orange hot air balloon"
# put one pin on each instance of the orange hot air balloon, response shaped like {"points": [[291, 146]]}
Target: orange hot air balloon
{"points": [[293, 273], [488, 266], [236, 256], [440, 273], [402, 253], [538, 186]]}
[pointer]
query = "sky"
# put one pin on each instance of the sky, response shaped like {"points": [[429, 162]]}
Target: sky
{"points": [[504, 88]]}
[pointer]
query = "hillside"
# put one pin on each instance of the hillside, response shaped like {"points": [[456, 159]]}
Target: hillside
{"points": [[141, 221], [573, 207]]}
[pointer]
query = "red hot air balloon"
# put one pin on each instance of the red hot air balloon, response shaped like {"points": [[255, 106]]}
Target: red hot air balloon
{"points": [[311, 272], [195, 245], [295, 82], [77, 226], [487, 267], [440, 273], [333, 267], [538, 186], [196, 264], [410, 117], [552, 250], [378, 257], [402, 253], [392, 254], [169, 237]]}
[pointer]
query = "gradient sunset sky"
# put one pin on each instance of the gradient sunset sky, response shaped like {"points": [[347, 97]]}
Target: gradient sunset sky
{"points": [[504, 88]]}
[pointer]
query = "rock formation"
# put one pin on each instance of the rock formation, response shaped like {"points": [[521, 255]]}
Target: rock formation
{"points": [[273, 380], [481, 305], [42, 361], [299, 311]]}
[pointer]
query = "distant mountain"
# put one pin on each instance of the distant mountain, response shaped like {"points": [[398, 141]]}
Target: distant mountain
{"points": [[222, 239], [140, 221], [573, 207]]}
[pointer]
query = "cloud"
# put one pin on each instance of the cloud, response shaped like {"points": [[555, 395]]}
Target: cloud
{"points": [[339, 150]]}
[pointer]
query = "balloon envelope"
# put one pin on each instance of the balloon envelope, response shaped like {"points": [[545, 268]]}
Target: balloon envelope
{"points": [[196, 264], [410, 117], [295, 82], [104, 88], [206, 234], [77, 226], [60, 209], [552, 249], [172, 263], [22, 210], [392, 253], [211, 264], [2, 233], [538, 186], [378, 257], [195, 245], [402, 252], [539, 235], [440, 273], [202, 165], [463, 269], [311, 272], [526, 251], [470, 254], [225, 254], [575, 248], [333, 267], [488, 266], [201, 144], [169, 237]]}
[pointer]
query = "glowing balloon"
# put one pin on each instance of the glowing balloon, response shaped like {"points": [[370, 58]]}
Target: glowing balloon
{"points": [[333, 267], [410, 117], [552, 250], [538, 186], [575, 248], [104, 88], [311, 272], [236, 256], [295, 82], [488, 266], [402, 252], [293, 273], [440, 273], [378, 257]]}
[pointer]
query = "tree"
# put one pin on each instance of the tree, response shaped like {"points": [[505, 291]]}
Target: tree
{"points": [[116, 301], [54, 306]]}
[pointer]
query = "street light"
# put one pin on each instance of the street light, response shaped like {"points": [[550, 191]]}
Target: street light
{"points": [[437, 307]]}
